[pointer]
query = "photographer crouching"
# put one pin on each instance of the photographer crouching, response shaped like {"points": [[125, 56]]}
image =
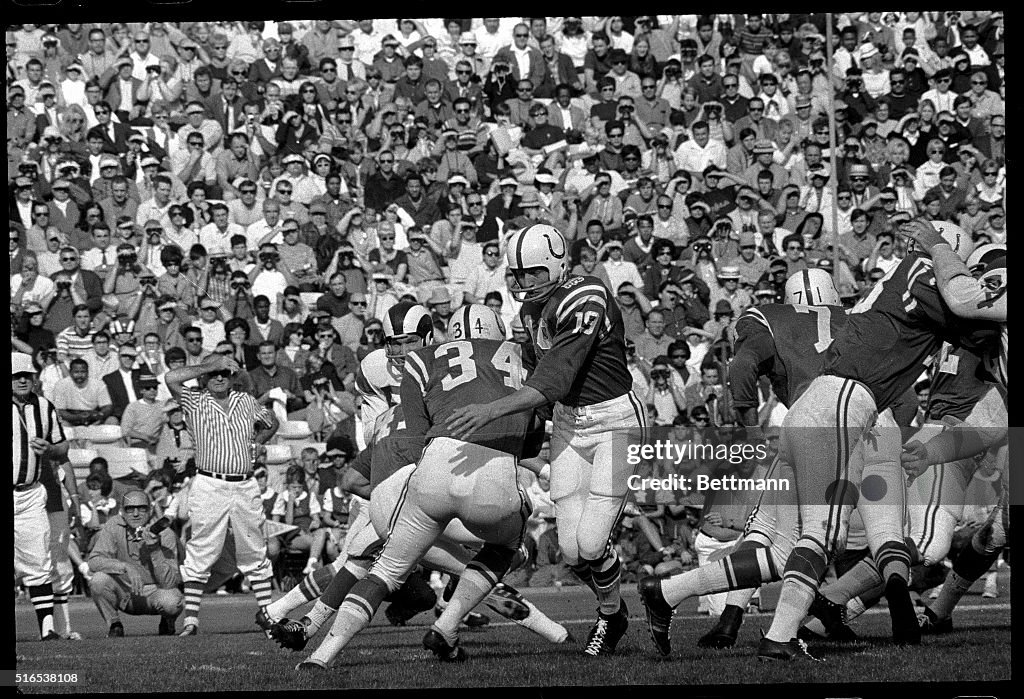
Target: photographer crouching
{"points": [[134, 566]]}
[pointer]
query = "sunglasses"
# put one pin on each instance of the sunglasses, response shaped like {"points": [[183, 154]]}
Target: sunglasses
{"points": [[757, 109], [936, 152], [361, 304], [384, 161], [286, 231], [474, 203], [223, 374], [386, 237], [648, 87], [283, 191], [464, 72], [700, 419], [978, 82], [136, 508], [896, 82]]}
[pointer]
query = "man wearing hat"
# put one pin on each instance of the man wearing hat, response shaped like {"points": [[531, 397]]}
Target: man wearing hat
{"points": [[210, 129], [728, 289], [142, 420], [764, 159], [750, 265]]}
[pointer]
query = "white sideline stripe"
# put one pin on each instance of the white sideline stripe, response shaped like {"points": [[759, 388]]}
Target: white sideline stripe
{"points": [[693, 617]]}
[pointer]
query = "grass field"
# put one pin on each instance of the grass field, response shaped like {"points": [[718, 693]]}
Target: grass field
{"points": [[237, 657]]}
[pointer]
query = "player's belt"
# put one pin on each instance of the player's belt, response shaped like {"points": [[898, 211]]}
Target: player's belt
{"points": [[23, 488], [229, 477]]}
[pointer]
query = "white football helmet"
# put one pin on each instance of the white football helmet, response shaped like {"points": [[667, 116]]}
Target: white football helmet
{"points": [[983, 255], [401, 322], [475, 322], [812, 287], [957, 237], [542, 246]]}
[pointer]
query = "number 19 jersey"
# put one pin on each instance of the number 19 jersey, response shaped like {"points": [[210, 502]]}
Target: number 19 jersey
{"points": [[578, 345], [441, 379], [893, 334]]}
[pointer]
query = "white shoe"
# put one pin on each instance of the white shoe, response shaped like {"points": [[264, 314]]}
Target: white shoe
{"points": [[934, 594], [221, 591], [310, 567], [73, 636]]}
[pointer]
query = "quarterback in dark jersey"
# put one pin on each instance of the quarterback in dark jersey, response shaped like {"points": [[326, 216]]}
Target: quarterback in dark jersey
{"points": [[579, 364], [884, 347]]}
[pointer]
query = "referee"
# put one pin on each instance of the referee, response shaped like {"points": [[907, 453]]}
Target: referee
{"points": [[38, 438], [224, 493]]}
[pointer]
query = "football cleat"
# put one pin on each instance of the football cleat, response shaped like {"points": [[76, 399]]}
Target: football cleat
{"points": [[834, 617], [116, 630], [73, 636], [435, 643], [289, 634], [931, 624], [264, 621], [607, 632], [905, 628], [725, 632], [309, 665], [189, 630], [793, 649], [507, 601], [51, 636], [659, 613]]}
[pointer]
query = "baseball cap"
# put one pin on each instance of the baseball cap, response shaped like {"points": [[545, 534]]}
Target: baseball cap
{"points": [[128, 351], [317, 207], [458, 179], [346, 42], [208, 303], [763, 146], [170, 406], [389, 40], [194, 109], [22, 182], [21, 363], [466, 39]]}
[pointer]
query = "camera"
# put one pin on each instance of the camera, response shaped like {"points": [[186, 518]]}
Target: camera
{"points": [[699, 247], [127, 258], [659, 374], [218, 264], [269, 257], [63, 283], [240, 285]]}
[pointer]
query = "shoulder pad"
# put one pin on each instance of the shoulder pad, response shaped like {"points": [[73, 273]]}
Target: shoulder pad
{"points": [[377, 372]]}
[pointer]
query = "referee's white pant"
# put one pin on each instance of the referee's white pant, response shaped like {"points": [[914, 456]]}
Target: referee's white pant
{"points": [[456, 483], [590, 472], [214, 504], [32, 560], [705, 546]]}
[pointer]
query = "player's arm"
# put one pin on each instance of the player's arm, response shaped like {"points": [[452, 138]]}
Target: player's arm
{"points": [[374, 404], [356, 478], [985, 427], [414, 409], [964, 294], [755, 353]]}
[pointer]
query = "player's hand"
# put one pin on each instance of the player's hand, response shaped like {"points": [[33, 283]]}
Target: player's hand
{"points": [[219, 362], [39, 446], [714, 518], [466, 421], [923, 233], [915, 460]]}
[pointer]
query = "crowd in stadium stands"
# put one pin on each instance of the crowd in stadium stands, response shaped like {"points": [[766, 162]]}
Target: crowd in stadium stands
{"points": [[268, 190]]}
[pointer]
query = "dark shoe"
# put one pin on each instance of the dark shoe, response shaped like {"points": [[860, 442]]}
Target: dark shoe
{"points": [[435, 643], [507, 601], [166, 627], [931, 624], [905, 628], [311, 666], [834, 618], [659, 613], [607, 632], [54, 636], [264, 621], [475, 620], [289, 634], [117, 630], [793, 649], [725, 632]]}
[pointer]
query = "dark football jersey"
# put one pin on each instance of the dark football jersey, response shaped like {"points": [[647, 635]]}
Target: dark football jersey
{"points": [[392, 448], [439, 380], [956, 386], [893, 334], [786, 343], [361, 464], [578, 352]]}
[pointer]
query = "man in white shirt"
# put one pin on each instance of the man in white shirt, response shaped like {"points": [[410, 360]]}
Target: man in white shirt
{"points": [[695, 154], [270, 225], [216, 235], [490, 38], [619, 270], [485, 278], [141, 57], [941, 96], [100, 359], [367, 41]]}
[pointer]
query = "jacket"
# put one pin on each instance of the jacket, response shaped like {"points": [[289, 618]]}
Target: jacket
{"points": [[157, 555]]}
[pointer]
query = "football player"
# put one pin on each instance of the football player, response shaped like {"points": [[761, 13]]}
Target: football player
{"points": [[936, 499], [785, 343], [407, 326], [578, 360], [888, 340], [474, 481]]}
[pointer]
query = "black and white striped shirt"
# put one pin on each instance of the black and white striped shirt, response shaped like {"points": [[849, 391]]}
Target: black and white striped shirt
{"points": [[36, 418], [224, 440]]}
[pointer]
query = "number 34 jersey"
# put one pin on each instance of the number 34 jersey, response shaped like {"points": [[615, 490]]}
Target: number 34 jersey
{"points": [[893, 333], [578, 345], [441, 379]]}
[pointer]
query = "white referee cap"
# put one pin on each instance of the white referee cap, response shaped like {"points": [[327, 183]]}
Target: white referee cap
{"points": [[21, 364]]}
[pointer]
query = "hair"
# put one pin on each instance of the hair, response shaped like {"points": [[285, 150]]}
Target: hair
{"points": [[295, 474], [100, 481]]}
